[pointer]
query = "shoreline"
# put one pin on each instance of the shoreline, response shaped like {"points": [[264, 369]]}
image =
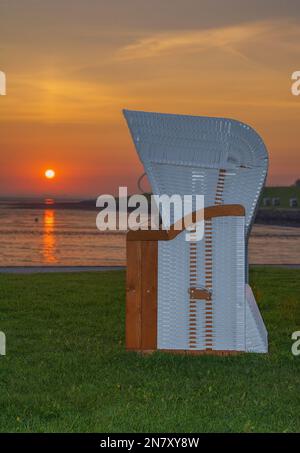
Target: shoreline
{"points": [[278, 217]]}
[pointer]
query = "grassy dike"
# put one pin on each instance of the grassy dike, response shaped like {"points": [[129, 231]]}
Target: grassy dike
{"points": [[66, 369]]}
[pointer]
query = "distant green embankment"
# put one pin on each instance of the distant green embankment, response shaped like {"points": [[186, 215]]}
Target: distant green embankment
{"points": [[279, 206], [281, 197]]}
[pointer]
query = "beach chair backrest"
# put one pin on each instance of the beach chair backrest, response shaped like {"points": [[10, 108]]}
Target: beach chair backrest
{"points": [[184, 154]]}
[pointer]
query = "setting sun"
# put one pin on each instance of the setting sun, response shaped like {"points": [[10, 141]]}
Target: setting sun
{"points": [[50, 174]]}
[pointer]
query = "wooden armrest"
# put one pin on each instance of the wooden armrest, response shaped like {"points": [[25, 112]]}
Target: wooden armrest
{"points": [[222, 210]]}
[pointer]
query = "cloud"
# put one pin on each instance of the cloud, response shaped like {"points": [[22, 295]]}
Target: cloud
{"points": [[229, 39]]}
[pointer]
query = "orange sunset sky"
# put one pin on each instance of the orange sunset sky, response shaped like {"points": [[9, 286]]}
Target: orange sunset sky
{"points": [[72, 66]]}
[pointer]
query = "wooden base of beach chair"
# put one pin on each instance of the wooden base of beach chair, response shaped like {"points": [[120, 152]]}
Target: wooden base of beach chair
{"points": [[141, 295]]}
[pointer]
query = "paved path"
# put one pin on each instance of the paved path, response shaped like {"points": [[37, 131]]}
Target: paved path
{"points": [[45, 269], [285, 266]]}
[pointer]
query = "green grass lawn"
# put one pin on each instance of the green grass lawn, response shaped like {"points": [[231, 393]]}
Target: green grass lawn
{"points": [[66, 369]]}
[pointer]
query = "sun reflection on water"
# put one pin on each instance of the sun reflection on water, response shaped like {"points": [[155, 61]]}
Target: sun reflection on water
{"points": [[49, 241]]}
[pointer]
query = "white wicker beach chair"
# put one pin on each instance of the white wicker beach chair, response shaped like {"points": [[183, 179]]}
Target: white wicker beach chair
{"points": [[201, 300]]}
